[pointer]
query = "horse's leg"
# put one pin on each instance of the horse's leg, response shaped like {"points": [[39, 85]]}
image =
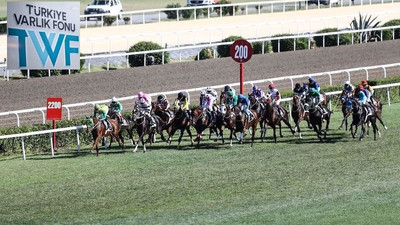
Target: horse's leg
{"points": [[171, 133], [190, 135], [362, 132], [379, 117], [298, 129], [328, 120], [95, 144], [274, 128], [130, 136], [286, 121], [231, 137], [253, 133], [280, 128], [180, 136]]}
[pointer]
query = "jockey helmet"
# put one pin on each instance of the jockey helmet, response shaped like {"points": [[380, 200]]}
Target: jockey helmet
{"points": [[271, 86], [255, 88], [202, 93], [230, 93], [140, 94], [361, 87], [346, 83], [180, 95], [227, 88], [311, 79], [297, 85], [114, 99], [160, 98], [97, 106], [364, 82]]}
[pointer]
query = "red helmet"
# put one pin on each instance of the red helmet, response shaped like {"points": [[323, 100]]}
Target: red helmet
{"points": [[270, 86], [364, 82], [361, 87]]}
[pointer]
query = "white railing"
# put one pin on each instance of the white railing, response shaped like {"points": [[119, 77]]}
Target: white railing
{"points": [[189, 37], [77, 128], [291, 79], [260, 7], [50, 132]]}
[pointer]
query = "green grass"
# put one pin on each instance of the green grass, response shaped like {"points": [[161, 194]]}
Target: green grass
{"points": [[128, 5], [341, 181]]}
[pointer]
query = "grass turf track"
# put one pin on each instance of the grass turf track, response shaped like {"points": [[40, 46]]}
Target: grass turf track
{"points": [[342, 181]]}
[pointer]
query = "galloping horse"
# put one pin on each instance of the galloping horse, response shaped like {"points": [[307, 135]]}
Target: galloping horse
{"points": [[273, 119], [360, 117], [347, 110], [230, 121], [259, 108], [125, 125], [180, 122], [165, 115], [316, 118], [143, 127], [299, 113], [200, 121], [243, 123], [99, 131]]}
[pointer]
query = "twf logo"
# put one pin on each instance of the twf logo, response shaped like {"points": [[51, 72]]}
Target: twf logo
{"points": [[47, 41]]}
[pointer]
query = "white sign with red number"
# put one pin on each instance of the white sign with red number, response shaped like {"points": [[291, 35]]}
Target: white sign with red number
{"points": [[241, 51], [54, 108]]}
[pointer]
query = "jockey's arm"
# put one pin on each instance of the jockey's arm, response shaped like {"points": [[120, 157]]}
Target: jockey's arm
{"points": [[185, 103]]}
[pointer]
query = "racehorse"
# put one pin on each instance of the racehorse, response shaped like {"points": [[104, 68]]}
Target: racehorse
{"points": [[180, 122], [347, 110], [317, 117], [361, 117], [125, 125], [259, 108], [200, 121], [230, 121], [244, 123], [143, 127], [325, 98], [98, 131], [299, 113], [272, 119], [165, 115]]}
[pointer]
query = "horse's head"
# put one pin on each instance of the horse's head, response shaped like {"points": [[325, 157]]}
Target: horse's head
{"points": [[196, 114], [296, 100], [89, 121], [222, 109], [238, 111]]}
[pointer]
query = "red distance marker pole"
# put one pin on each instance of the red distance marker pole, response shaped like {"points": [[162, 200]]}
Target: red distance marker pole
{"points": [[54, 112], [241, 51], [54, 135]]}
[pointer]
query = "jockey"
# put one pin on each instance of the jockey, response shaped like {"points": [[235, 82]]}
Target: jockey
{"points": [[163, 102], [348, 90], [275, 96], [144, 106], [257, 93], [212, 92], [366, 92], [206, 102], [116, 107], [226, 89], [313, 84], [362, 99], [182, 102], [366, 86], [243, 101], [101, 111], [299, 90], [231, 99], [315, 94]]}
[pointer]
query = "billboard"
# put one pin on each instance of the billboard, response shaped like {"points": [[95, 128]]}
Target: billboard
{"points": [[43, 35]]}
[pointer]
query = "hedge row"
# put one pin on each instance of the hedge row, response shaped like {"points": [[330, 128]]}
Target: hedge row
{"points": [[3, 27]]}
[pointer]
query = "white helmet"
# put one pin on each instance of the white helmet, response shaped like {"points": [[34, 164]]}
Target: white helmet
{"points": [[347, 82], [114, 99], [202, 93]]}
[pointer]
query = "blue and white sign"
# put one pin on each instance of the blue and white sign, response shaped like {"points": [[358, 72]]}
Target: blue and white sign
{"points": [[43, 35]]}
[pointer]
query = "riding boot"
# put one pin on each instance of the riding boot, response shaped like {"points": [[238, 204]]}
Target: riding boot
{"points": [[108, 126], [152, 122]]}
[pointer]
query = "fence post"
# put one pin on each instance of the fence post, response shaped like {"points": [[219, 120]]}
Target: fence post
{"points": [[23, 148], [51, 144], [77, 140], [388, 95], [366, 73]]}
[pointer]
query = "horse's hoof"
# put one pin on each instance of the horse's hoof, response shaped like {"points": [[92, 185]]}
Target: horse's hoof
{"points": [[385, 127]]}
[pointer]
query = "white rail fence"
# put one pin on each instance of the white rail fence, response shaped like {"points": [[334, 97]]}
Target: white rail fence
{"points": [[78, 128], [189, 37], [198, 48], [290, 79]]}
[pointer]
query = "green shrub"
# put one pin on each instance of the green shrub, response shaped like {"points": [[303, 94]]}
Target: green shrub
{"points": [[3, 27], [226, 9], [205, 53], [388, 34], [331, 40], [138, 60], [257, 47], [109, 20], [171, 14], [223, 50], [288, 44]]}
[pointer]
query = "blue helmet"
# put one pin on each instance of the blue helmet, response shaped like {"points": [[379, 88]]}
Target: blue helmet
{"points": [[311, 79], [255, 88], [227, 88]]}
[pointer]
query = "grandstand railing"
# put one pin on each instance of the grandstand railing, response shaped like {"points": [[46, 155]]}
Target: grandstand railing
{"points": [[329, 74], [78, 128]]}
